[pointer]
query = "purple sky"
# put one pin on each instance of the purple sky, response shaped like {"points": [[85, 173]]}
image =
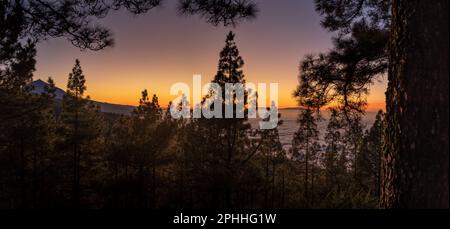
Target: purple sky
{"points": [[155, 50]]}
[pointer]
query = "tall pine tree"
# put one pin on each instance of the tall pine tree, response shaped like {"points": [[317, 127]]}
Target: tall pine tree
{"points": [[335, 157], [305, 148], [371, 155], [80, 130]]}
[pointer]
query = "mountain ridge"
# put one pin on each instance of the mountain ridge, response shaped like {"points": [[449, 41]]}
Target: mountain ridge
{"points": [[39, 85]]}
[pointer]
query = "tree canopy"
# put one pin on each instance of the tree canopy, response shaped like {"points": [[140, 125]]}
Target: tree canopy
{"points": [[77, 20]]}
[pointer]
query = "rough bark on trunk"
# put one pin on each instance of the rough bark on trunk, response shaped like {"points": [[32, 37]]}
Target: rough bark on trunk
{"points": [[415, 162]]}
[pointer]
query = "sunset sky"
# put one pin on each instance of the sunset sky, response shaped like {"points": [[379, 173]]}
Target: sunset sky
{"points": [[155, 50]]}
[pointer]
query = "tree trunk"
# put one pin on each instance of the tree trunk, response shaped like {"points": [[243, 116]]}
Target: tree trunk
{"points": [[415, 164], [154, 199], [312, 186], [23, 201], [266, 182], [283, 190], [273, 185], [76, 166], [306, 173]]}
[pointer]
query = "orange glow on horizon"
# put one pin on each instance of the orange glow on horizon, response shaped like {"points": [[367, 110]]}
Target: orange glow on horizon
{"points": [[117, 94], [158, 49]]}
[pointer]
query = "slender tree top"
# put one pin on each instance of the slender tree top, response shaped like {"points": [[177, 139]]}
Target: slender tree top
{"points": [[148, 109], [307, 126], [230, 63], [76, 84]]}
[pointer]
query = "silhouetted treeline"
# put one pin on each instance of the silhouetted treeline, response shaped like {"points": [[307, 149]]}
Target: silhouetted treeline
{"points": [[68, 154]]}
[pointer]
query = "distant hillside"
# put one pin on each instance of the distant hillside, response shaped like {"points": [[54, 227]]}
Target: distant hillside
{"points": [[104, 107], [39, 85], [292, 108]]}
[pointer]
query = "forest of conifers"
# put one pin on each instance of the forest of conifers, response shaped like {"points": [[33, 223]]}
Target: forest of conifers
{"points": [[66, 153]]}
